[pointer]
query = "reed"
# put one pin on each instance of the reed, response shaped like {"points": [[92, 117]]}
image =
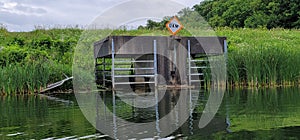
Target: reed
{"points": [[260, 57], [28, 78], [256, 57], [269, 66]]}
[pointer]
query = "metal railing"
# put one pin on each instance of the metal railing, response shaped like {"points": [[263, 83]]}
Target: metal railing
{"points": [[196, 66], [125, 65]]}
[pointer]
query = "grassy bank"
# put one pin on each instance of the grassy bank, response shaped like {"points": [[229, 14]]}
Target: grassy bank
{"points": [[257, 57], [261, 57]]}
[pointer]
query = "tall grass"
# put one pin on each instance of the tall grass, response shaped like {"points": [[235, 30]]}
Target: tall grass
{"points": [[260, 57], [30, 78], [23, 78], [256, 57]]}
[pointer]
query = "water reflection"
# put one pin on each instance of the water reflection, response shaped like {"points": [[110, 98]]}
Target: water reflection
{"points": [[173, 113], [272, 113], [40, 117], [267, 108]]}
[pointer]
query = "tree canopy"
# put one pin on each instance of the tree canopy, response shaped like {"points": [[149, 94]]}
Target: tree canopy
{"points": [[251, 14], [240, 13]]}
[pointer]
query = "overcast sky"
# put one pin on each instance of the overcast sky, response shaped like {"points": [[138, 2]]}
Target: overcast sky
{"points": [[22, 15]]}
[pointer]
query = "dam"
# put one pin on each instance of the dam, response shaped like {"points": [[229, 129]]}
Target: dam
{"points": [[155, 61]]}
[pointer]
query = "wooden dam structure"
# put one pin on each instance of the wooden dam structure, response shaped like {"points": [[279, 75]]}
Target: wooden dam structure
{"points": [[155, 61]]}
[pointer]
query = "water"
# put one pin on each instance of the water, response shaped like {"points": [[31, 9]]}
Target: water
{"points": [[243, 114], [39, 117]]}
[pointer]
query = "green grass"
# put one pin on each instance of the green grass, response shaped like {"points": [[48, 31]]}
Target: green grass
{"points": [[256, 57], [30, 78], [261, 57], [20, 79]]}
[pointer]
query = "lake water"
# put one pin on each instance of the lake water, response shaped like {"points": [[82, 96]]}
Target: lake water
{"points": [[272, 113]]}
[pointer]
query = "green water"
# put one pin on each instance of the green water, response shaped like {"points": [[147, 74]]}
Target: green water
{"points": [[37, 117], [243, 114]]}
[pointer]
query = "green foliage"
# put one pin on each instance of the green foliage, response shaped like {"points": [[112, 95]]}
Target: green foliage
{"points": [[31, 77], [255, 13], [31, 60], [257, 20], [188, 17], [23, 47], [153, 25], [23, 78], [257, 57], [262, 57]]}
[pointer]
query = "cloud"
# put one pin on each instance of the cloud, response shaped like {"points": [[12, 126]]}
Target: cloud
{"points": [[121, 14], [21, 9], [28, 13]]}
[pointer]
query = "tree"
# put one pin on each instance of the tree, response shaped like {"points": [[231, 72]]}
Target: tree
{"points": [[252, 14]]}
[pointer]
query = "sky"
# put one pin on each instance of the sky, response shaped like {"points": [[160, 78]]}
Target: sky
{"points": [[25, 15]]}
